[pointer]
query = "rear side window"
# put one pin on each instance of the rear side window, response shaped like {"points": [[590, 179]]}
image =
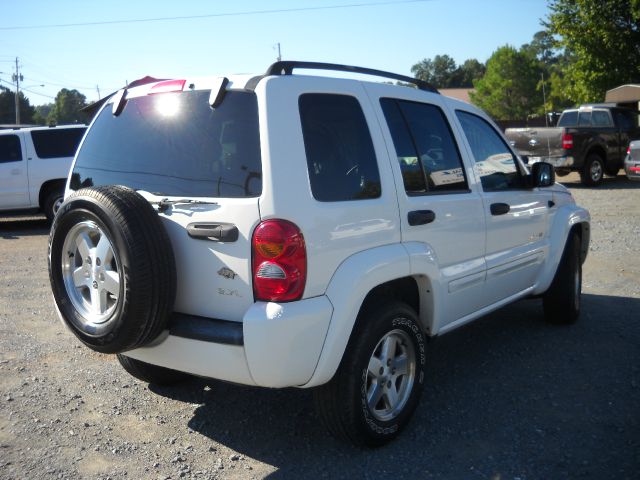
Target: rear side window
{"points": [[340, 156], [10, 150], [57, 142], [495, 164], [427, 152], [175, 144]]}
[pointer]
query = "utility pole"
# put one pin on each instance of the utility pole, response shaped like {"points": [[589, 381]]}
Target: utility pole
{"points": [[17, 78], [279, 54], [98, 89]]}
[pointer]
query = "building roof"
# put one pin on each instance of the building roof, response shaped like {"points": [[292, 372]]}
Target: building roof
{"points": [[457, 93], [624, 94]]}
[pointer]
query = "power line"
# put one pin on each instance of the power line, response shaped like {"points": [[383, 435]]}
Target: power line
{"points": [[214, 15]]}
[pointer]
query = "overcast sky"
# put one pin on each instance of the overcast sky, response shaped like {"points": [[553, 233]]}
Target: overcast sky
{"points": [[113, 42]]}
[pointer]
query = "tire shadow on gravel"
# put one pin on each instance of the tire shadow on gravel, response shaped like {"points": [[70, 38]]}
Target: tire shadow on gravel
{"points": [[506, 396]]}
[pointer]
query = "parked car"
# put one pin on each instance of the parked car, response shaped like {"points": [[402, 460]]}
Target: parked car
{"points": [[34, 165], [591, 140], [285, 230], [632, 161]]}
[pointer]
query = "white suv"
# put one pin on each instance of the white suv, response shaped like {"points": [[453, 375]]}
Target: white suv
{"points": [[300, 231]]}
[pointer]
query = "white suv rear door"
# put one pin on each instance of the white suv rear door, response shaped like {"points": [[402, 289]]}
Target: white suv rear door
{"points": [[440, 208], [14, 181]]}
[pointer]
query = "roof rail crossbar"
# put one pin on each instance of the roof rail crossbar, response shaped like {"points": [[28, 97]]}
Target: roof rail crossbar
{"points": [[286, 68]]}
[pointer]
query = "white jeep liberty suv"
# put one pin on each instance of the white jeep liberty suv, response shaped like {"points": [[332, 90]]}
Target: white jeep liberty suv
{"points": [[300, 231]]}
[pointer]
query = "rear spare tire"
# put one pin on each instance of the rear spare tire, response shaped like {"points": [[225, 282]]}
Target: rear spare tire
{"points": [[111, 268]]}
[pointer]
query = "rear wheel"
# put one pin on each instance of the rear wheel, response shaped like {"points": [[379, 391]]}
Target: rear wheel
{"points": [[151, 373], [378, 385], [52, 202], [562, 301], [593, 170]]}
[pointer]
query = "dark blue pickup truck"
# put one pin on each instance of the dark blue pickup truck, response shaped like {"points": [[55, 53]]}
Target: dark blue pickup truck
{"points": [[592, 140]]}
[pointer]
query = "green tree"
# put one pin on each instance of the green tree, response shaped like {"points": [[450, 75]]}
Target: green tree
{"points": [[442, 72], [42, 113], [66, 108], [470, 71], [603, 40], [509, 88], [8, 107]]}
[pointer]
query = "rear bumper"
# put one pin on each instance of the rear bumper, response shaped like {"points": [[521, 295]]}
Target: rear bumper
{"points": [[632, 169], [566, 161], [276, 345]]}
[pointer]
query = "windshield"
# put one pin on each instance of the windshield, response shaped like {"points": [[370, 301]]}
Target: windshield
{"points": [[175, 144]]}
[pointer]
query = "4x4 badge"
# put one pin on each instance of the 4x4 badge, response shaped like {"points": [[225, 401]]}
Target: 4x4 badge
{"points": [[227, 273]]}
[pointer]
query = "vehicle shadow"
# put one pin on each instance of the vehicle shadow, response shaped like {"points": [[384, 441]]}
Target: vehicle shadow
{"points": [[506, 396], [12, 228], [621, 182]]}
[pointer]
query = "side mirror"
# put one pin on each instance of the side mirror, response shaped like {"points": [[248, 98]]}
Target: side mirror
{"points": [[542, 175], [525, 159]]}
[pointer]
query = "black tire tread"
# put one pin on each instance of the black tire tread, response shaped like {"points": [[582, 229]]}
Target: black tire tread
{"points": [[557, 304], [151, 270]]}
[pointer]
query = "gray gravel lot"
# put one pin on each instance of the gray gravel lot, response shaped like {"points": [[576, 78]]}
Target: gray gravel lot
{"points": [[507, 397]]}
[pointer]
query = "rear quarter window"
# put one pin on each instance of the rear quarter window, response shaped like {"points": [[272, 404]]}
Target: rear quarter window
{"points": [[10, 150], [57, 142], [341, 159]]}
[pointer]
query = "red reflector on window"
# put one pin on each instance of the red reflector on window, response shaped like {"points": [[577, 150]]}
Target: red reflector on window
{"points": [[168, 86]]}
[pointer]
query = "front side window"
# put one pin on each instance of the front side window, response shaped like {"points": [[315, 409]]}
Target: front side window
{"points": [[10, 150], [57, 142], [341, 160], [495, 164], [175, 144], [427, 152]]}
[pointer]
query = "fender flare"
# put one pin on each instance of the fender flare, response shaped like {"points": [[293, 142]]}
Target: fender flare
{"points": [[350, 285], [566, 218]]}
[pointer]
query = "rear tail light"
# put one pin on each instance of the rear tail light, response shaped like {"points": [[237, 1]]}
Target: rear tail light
{"points": [[629, 150], [168, 86], [279, 262], [567, 141]]}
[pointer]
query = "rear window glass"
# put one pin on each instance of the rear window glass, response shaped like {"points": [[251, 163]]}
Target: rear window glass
{"points": [[340, 156], [57, 142], [10, 150], [175, 144], [600, 118], [568, 119], [584, 119]]}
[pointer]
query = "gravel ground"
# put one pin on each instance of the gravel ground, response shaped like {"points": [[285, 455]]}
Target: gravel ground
{"points": [[507, 397]]}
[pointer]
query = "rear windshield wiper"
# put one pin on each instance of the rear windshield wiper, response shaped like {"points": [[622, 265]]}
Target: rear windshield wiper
{"points": [[165, 203]]}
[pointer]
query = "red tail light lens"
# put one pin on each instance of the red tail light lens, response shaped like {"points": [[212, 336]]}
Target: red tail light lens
{"points": [[629, 150], [567, 141], [279, 262], [168, 86]]}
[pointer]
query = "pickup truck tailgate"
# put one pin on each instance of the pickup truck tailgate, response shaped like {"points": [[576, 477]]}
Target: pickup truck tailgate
{"points": [[536, 142]]}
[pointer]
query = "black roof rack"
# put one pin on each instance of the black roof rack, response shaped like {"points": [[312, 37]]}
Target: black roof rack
{"points": [[286, 68]]}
